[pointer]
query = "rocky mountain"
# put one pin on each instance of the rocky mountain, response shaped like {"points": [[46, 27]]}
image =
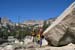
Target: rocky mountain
{"points": [[62, 30], [4, 21]]}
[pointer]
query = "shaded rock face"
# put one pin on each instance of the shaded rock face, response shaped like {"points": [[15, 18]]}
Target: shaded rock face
{"points": [[68, 37], [64, 32]]}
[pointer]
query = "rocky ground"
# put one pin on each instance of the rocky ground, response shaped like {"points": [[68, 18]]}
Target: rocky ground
{"points": [[67, 47]]}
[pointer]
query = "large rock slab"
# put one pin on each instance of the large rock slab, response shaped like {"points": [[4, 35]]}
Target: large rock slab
{"points": [[58, 29]]}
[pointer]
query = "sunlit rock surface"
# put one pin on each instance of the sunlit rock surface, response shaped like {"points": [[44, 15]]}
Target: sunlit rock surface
{"points": [[57, 31]]}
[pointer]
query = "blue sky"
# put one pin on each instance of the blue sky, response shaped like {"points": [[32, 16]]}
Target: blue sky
{"points": [[32, 9]]}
